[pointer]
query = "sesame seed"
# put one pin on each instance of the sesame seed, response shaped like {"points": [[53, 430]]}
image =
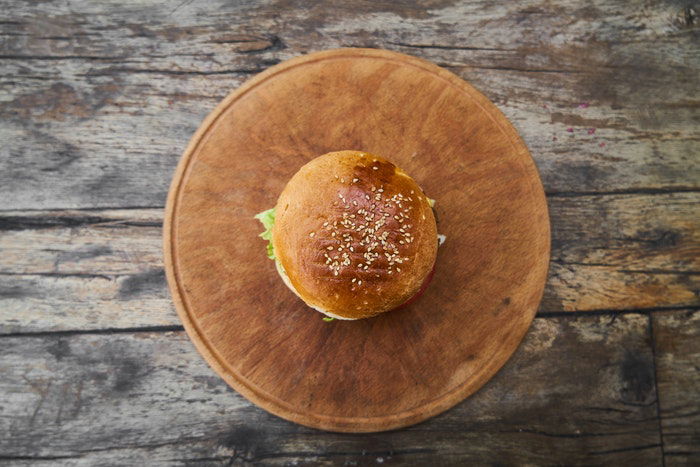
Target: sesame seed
{"points": [[375, 168], [359, 282], [325, 224], [312, 234], [329, 248], [354, 279], [355, 180]]}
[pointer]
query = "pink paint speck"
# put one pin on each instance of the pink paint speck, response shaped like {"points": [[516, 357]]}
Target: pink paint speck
{"points": [[570, 130], [583, 105], [602, 145], [554, 138], [591, 131]]}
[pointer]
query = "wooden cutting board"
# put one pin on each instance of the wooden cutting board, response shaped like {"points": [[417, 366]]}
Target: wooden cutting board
{"points": [[401, 367]]}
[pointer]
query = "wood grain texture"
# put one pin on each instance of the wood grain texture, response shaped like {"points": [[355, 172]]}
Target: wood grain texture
{"points": [[578, 391], [624, 252], [84, 270], [97, 100], [677, 345], [393, 370], [66, 270], [77, 79]]}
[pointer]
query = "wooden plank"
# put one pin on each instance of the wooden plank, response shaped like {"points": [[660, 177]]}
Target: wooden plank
{"points": [[82, 270], [98, 100], [106, 242], [580, 390], [677, 353], [103, 269], [624, 252], [38, 303]]}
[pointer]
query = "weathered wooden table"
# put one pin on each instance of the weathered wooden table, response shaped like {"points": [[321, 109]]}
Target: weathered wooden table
{"points": [[98, 100]]}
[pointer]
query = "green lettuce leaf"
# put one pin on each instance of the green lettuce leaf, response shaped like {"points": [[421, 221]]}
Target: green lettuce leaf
{"points": [[267, 218], [328, 319]]}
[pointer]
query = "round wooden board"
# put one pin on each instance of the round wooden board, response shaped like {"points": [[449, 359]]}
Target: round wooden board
{"points": [[401, 367]]}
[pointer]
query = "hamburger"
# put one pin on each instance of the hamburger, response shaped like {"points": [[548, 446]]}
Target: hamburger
{"points": [[352, 235]]}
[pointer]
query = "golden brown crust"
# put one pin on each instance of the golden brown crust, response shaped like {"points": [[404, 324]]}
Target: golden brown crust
{"points": [[355, 234]]}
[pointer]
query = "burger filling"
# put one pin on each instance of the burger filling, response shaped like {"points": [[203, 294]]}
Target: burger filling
{"points": [[267, 218]]}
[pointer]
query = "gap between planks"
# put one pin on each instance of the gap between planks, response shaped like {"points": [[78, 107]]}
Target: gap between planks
{"points": [[652, 340]]}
